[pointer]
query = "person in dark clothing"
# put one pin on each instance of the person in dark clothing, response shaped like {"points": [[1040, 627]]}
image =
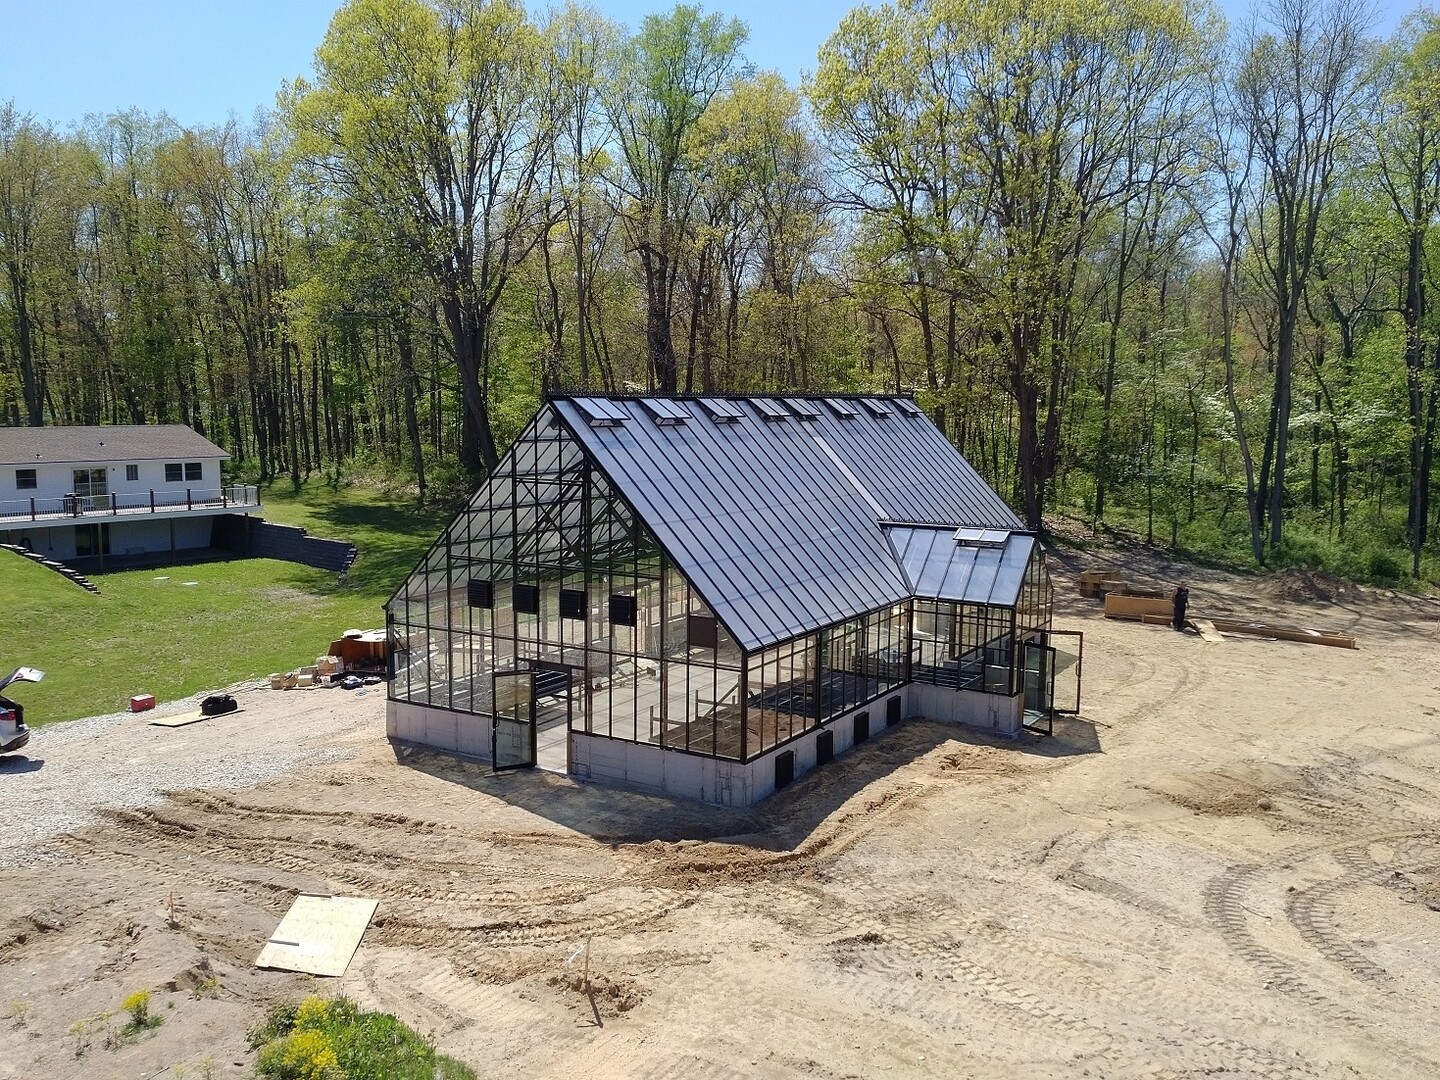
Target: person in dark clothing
{"points": [[1181, 599]]}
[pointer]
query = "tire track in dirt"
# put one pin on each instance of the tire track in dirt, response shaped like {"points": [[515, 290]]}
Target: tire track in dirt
{"points": [[317, 857], [1123, 894], [1311, 909], [216, 802], [893, 980], [1150, 986], [914, 972], [100, 852], [637, 918], [704, 863], [1224, 906], [1336, 793], [144, 838], [1152, 704]]}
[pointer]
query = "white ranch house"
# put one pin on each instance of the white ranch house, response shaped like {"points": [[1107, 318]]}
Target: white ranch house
{"points": [[84, 493]]}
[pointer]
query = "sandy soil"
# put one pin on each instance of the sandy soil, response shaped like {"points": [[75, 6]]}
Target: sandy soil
{"points": [[1227, 864]]}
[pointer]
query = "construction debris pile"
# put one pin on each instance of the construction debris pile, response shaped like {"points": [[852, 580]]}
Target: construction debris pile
{"points": [[357, 658]]}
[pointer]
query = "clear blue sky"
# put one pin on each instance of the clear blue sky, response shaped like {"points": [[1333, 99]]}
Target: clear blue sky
{"points": [[199, 60]]}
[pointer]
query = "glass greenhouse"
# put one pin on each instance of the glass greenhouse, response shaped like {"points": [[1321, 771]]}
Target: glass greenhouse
{"points": [[710, 596]]}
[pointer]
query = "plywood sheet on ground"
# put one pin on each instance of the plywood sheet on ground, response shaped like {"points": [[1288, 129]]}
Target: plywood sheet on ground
{"points": [[1206, 629], [318, 935], [181, 719]]}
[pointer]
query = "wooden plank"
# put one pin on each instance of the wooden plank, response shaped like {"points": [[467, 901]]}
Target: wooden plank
{"points": [[1286, 633], [318, 935], [1148, 620], [1206, 629], [1118, 606], [181, 719]]}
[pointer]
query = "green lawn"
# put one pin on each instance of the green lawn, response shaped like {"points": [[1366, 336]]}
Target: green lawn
{"points": [[149, 632]]}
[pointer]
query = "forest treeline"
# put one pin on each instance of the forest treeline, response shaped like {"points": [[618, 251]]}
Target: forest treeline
{"points": [[1143, 267]]}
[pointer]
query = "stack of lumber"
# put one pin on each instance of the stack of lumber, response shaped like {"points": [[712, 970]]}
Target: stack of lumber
{"points": [[1160, 612], [1098, 584], [1285, 633]]}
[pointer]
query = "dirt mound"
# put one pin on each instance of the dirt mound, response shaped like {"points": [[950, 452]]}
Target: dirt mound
{"points": [[603, 995], [1226, 793], [198, 978], [1294, 583]]}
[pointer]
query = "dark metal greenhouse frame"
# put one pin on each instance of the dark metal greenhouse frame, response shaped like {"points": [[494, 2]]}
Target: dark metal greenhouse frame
{"points": [[567, 563]]}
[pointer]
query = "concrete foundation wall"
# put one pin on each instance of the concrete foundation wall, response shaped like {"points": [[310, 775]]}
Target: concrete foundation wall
{"points": [[724, 783], [651, 769], [640, 767], [193, 532], [995, 712], [459, 733], [53, 543]]}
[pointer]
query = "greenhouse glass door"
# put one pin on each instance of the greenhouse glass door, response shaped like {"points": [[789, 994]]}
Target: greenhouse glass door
{"points": [[512, 731]]}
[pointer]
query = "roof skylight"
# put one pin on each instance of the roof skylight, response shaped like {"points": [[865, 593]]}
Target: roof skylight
{"points": [[722, 411], [666, 411]]}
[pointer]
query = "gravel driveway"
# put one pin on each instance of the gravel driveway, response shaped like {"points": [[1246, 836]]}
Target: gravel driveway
{"points": [[72, 770]]}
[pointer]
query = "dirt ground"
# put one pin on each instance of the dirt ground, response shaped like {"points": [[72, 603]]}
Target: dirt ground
{"points": [[1230, 863]]}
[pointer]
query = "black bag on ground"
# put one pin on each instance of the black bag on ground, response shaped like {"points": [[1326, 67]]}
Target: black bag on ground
{"points": [[216, 704]]}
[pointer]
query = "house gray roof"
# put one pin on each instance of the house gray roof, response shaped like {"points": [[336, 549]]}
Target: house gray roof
{"points": [[110, 442], [777, 511]]}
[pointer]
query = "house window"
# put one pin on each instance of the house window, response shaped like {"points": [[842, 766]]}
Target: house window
{"points": [[89, 482], [25, 479], [173, 474], [132, 472], [192, 470]]}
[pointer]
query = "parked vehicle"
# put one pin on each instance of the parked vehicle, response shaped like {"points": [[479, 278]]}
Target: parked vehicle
{"points": [[14, 735]]}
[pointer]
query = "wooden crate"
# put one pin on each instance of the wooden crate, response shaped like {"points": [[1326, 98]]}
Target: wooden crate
{"points": [[1096, 583]]}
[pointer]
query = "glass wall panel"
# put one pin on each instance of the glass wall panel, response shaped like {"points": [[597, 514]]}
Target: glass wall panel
{"points": [[965, 646], [793, 689]]}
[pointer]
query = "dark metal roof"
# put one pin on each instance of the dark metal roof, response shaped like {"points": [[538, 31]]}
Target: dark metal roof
{"points": [[111, 442], [939, 568], [778, 524]]}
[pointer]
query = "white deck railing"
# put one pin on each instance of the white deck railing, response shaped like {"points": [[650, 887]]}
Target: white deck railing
{"points": [[127, 503]]}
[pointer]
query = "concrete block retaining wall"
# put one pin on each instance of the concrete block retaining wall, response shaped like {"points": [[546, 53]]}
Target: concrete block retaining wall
{"points": [[266, 540]]}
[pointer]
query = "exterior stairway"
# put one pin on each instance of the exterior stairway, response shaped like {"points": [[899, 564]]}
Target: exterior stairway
{"points": [[51, 564]]}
